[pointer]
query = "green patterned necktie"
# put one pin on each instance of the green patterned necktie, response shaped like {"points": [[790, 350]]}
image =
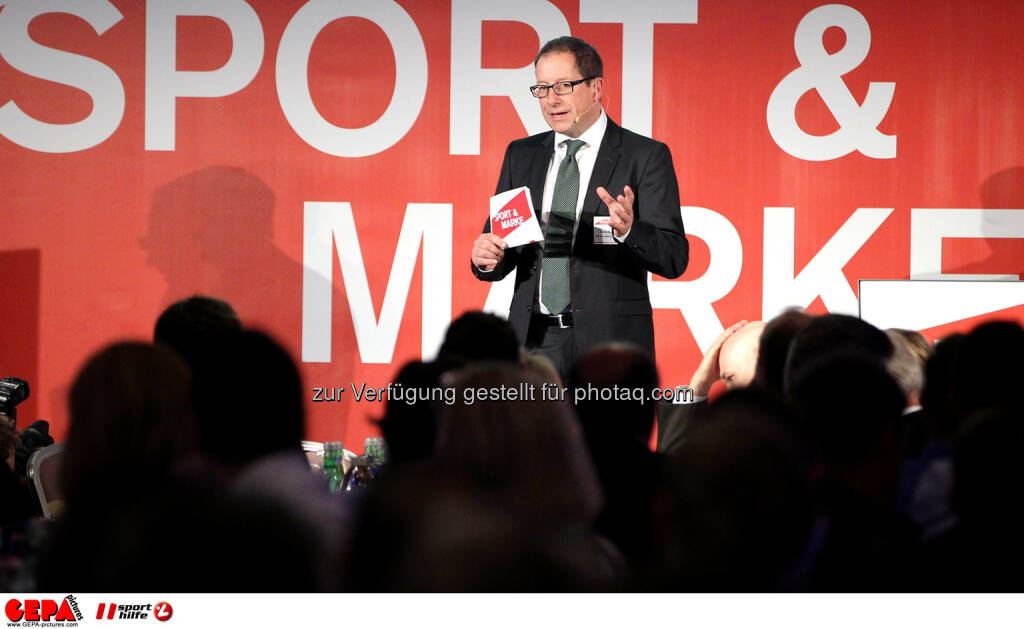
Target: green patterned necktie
{"points": [[558, 240]]}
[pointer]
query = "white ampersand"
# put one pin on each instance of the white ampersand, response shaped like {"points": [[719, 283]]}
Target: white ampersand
{"points": [[823, 72]]}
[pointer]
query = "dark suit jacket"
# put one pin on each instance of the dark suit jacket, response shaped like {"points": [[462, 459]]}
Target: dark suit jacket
{"points": [[609, 296], [674, 422]]}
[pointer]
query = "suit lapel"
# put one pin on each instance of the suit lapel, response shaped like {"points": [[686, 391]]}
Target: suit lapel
{"points": [[539, 171], [604, 168]]}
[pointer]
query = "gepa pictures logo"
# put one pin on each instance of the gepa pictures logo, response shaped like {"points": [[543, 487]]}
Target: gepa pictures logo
{"points": [[43, 610]]}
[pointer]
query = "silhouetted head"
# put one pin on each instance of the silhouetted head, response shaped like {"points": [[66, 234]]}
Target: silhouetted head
{"points": [[480, 336], [611, 385], [191, 215], [530, 451], [538, 363], [773, 348], [432, 528], [740, 507], [249, 399], [834, 335], [154, 535], [130, 404], [989, 369], [940, 386], [412, 412], [188, 326], [845, 404]]}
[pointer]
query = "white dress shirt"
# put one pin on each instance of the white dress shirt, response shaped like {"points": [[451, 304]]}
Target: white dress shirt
{"points": [[586, 157]]}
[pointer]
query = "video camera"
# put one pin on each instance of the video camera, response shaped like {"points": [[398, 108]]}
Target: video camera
{"points": [[13, 391]]}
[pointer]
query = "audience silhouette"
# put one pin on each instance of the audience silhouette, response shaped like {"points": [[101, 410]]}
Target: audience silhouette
{"points": [[842, 458]]}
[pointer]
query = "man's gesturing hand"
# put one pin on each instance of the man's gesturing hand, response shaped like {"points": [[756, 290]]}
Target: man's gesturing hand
{"points": [[620, 210], [488, 250]]}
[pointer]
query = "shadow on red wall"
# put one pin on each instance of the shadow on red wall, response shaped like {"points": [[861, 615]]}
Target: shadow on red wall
{"points": [[211, 232]]}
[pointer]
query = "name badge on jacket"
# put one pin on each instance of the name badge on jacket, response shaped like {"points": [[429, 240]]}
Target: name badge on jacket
{"points": [[603, 232]]}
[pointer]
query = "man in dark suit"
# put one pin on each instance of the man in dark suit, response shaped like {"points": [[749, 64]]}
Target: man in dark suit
{"points": [[588, 283]]}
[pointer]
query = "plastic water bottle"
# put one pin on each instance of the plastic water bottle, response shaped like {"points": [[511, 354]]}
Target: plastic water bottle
{"points": [[360, 475], [376, 452]]}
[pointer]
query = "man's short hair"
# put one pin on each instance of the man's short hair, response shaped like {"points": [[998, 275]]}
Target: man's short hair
{"points": [[480, 336], [188, 326], [773, 348], [904, 366], [832, 335], [615, 364], [588, 62], [920, 345]]}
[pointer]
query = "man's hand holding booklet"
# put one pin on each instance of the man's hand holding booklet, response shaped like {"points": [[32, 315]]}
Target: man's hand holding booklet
{"points": [[513, 218]]}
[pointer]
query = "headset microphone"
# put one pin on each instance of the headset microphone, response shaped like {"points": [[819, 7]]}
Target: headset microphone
{"points": [[584, 112]]}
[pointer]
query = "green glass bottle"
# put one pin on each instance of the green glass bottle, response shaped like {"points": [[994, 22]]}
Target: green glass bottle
{"points": [[334, 469]]}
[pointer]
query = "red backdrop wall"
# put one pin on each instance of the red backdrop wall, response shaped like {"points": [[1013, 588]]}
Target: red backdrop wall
{"points": [[204, 174]]}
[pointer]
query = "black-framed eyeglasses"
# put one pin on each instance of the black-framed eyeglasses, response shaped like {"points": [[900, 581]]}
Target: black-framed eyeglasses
{"points": [[562, 88]]}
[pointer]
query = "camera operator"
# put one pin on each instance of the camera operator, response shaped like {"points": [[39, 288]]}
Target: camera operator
{"points": [[17, 500], [16, 504]]}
